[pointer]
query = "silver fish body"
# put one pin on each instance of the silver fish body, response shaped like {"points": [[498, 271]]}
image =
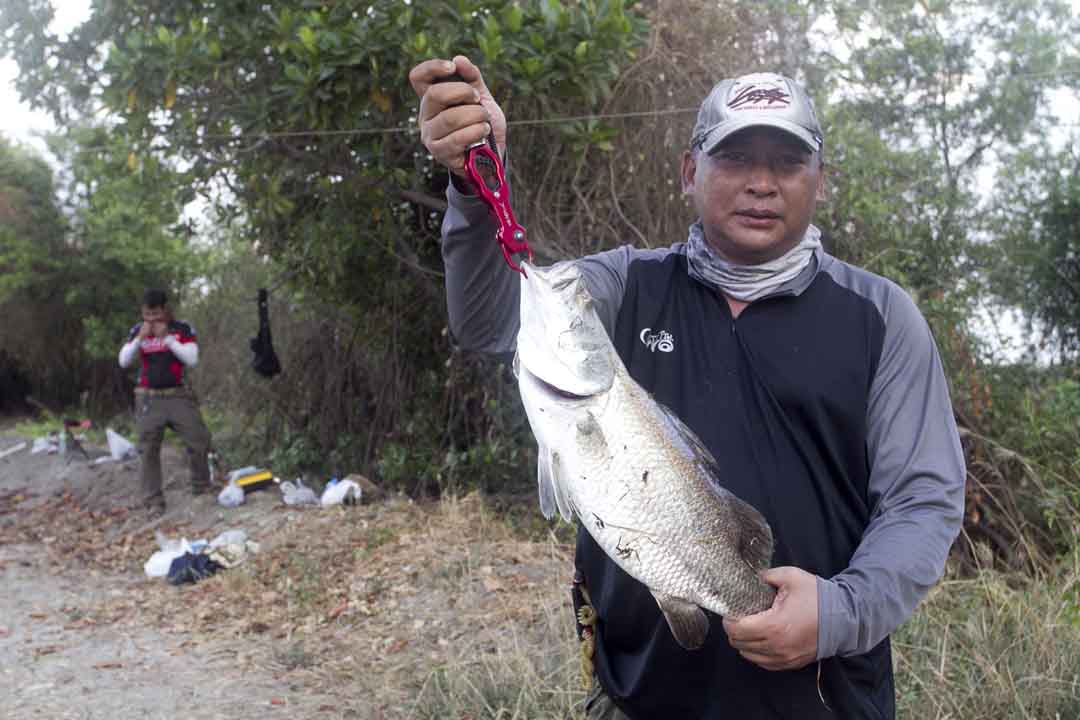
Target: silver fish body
{"points": [[639, 481]]}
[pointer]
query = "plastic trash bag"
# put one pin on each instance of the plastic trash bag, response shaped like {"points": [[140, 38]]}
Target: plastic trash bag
{"points": [[119, 447], [45, 444], [159, 563], [232, 536], [231, 496], [343, 492], [298, 493]]}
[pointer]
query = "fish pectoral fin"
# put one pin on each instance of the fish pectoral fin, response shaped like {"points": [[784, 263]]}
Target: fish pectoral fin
{"points": [[551, 479], [545, 482], [687, 621]]}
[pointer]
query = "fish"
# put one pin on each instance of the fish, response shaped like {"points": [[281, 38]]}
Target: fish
{"points": [[628, 469]]}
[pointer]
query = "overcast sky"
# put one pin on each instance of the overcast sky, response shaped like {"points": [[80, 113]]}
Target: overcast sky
{"points": [[16, 120]]}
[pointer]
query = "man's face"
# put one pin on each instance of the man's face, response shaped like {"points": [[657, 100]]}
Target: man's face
{"points": [[154, 314], [755, 194]]}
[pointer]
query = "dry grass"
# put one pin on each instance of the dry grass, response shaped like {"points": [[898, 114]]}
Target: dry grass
{"points": [[422, 611], [993, 646]]}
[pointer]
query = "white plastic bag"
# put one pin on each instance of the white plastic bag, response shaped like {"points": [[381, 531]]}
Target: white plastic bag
{"points": [[231, 496], [45, 444], [343, 492], [159, 562], [119, 447], [298, 494], [229, 537]]}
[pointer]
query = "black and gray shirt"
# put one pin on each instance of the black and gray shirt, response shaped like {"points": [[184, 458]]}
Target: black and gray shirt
{"points": [[827, 406]]}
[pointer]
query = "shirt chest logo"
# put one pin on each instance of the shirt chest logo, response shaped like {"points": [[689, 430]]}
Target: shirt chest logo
{"points": [[660, 340], [153, 345]]}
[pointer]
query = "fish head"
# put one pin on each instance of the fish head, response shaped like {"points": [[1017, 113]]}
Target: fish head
{"points": [[562, 341]]}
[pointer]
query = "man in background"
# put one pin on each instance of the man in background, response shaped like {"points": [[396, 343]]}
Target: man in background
{"points": [[165, 347]]}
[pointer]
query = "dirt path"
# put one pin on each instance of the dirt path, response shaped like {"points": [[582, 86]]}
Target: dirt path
{"points": [[367, 612], [58, 667]]}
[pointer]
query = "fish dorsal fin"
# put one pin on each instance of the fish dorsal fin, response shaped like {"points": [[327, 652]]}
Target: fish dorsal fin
{"points": [[551, 479], [693, 443], [755, 540], [687, 621]]}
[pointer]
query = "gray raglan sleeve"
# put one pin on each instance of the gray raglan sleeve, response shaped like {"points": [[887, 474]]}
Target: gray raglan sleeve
{"points": [[916, 491], [482, 293]]}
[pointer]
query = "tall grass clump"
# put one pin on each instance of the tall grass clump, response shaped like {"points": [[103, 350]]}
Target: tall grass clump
{"points": [[533, 678], [996, 646]]}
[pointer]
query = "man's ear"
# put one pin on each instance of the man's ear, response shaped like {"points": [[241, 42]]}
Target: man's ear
{"points": [[823, 177], [689, 171]]}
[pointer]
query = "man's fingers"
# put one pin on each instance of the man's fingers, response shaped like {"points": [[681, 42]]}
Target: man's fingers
{"points": [[469, 72], [779, 576], [450, 150], [448, 134], [451, 119], [428, 73], [752, 628]]}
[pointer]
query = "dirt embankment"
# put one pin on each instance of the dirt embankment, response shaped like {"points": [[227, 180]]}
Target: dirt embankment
{"points": [[358, 612]]}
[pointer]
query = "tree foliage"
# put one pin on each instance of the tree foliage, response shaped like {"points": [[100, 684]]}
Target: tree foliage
{"points": [[304, 110], [931, 92], [1035, 264]]}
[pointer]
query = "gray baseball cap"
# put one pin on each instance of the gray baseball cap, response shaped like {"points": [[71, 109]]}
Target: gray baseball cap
{"points": [[754, 100]]}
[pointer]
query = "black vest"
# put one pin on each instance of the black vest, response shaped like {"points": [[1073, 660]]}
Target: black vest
{"points": [[779, 396]]}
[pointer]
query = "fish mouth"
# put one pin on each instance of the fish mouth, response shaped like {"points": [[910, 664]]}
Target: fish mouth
{"points": [[556, 391], [544, 385]]}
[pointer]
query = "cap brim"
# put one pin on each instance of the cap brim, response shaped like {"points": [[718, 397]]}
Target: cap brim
{"points": [[726, 130]]}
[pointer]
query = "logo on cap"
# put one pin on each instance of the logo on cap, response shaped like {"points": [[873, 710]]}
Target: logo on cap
{"points": [[759, 97]]}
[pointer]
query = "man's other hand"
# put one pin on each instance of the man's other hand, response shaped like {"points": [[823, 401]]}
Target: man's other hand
{"points": [[455, 115], [784, 637], [160, 329], [145, 330]]}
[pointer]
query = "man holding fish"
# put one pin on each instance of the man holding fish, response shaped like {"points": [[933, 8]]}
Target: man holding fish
{"points": [[744, 426]]}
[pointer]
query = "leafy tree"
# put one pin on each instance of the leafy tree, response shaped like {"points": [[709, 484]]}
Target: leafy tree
{"points": [[1035, 265], [33, 257], [301, 109], [929, 91]]}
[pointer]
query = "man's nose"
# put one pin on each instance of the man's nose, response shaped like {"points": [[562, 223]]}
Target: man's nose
{"points": [[761, 179]]}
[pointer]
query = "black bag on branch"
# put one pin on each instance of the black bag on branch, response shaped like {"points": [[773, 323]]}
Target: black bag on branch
{"points": [[264, 359]]}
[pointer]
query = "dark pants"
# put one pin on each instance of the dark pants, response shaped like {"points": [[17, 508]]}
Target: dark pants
{"points": [[153, 413], [598, 706]]}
